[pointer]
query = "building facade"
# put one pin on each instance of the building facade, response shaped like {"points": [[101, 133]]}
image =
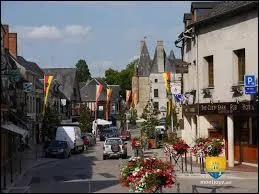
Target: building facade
{"points": [[220, 51]]}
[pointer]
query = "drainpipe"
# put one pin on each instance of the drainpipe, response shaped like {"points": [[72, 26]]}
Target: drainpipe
{"points": [[198, 88]]}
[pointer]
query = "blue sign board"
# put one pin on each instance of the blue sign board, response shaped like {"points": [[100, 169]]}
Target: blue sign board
{"points": [[27, 87], [250, 90], [250, 86], [249, 80]]}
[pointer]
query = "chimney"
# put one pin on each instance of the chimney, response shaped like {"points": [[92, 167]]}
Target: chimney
{"points": [[160, 56], [6, 36], [13, 43], [142, 42]]}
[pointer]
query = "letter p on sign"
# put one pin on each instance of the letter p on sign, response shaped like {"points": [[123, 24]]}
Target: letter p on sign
{"points": [[249, 80]]}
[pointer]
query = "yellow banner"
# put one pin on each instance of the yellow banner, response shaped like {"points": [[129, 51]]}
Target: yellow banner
{"points": [[47, 83]]}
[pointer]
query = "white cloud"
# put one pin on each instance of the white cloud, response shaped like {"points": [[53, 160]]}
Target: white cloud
{"points": [[46, 32]]}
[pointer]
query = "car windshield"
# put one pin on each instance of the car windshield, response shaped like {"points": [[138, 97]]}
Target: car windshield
{"points": [[58, 144], [113, 141]]}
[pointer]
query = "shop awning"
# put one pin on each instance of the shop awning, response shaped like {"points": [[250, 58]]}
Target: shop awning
{"points": [[15, 129]]}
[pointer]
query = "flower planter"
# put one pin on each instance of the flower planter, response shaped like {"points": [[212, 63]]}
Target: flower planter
{"points": [[215, 165], [152, 143]]}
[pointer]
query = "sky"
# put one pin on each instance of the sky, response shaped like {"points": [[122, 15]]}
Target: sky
{"points": [[105, 34]]}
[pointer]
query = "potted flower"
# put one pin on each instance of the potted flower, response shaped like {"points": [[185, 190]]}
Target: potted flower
{"points": [[214, 148], [180, 147], [147, 175]]}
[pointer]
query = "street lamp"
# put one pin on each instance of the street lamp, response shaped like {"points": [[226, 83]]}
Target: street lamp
{"points": [[170, 98]]}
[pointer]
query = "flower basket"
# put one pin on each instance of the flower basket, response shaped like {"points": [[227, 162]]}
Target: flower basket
{"points": [[208, 147], [136, 143], [146, 175], [180, 147]]}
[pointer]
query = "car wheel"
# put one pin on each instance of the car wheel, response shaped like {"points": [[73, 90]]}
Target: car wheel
{"points": [[104, 157], [65, 155]]}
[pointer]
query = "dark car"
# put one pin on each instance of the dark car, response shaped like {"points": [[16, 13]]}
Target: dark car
{"points": [[58, 149]]}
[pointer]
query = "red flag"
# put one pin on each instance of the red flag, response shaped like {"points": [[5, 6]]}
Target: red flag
{"points": [[109, 93], [128, 94], [99, 89]]}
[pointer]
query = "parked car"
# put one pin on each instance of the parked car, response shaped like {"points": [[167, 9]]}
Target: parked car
{"points": [[125, 135], [107, 133], [91, 137], [114, 147], [72, 134], [58, 149]]}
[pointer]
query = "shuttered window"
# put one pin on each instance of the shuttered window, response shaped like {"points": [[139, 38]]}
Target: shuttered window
{"points": [[209, 60], [241, 65], [156, 93]]}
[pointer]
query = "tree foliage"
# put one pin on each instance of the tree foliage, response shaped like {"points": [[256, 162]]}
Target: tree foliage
{"points": [[85, 119], [133, 116], [122, 116], [83, 71], [49, 122], [122, 78], [150, 114]]}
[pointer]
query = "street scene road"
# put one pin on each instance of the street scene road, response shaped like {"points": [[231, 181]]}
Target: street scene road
{"points": [[174, 95], [82, 173], [89, 173]]}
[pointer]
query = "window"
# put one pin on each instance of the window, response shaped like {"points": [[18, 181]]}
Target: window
{"points": [[75, 92], [156, 105], [209, 60], [241, 64], [155, 93], [155, 80]]}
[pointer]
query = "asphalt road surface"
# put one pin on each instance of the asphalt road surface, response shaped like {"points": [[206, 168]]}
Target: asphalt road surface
{"points": [[81, 173]]}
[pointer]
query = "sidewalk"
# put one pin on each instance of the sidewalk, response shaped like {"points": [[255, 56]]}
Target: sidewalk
{"points": [[29, 158], [238, 169]]}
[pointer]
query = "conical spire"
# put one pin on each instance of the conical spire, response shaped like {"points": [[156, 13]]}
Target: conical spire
{"points": [[143, 69]]}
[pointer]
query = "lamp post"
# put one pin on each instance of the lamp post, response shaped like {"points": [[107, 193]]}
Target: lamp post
{"points": [[170, 98]]}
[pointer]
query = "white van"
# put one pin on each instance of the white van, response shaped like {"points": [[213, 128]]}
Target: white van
{"points": [[71, 134]]}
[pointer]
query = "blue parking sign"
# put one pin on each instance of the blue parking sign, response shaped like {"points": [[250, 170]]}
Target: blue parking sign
{"points": [[249, 80]]}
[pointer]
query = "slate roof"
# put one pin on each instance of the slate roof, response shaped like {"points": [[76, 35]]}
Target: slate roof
{"points": [[187, 16], [225, 8], [203, 5], [33, 67], [88, 92], [168, 64], [82, 84], [144, 62], [67, 77]]}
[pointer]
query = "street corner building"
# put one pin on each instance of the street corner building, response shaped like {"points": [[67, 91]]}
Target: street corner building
{"points": [[218, 47]]}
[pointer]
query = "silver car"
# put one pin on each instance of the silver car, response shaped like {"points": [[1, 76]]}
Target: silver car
{"points": [[114, 147]]}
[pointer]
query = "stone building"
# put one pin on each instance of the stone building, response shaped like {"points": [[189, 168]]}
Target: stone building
{"points": [[218, 46], [140, 81]]}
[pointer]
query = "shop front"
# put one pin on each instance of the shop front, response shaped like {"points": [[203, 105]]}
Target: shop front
{"points": [[244, 117]]}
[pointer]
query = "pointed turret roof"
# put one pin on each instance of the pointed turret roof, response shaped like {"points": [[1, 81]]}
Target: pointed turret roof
{"points": [[143, 65]]}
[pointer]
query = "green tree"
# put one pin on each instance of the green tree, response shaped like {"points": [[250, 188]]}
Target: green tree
{"points": [[150, 114], [122, 116], [122, 78], [133, 116], [49, 122], [85, 119], [112, 76], [82, 71]]}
